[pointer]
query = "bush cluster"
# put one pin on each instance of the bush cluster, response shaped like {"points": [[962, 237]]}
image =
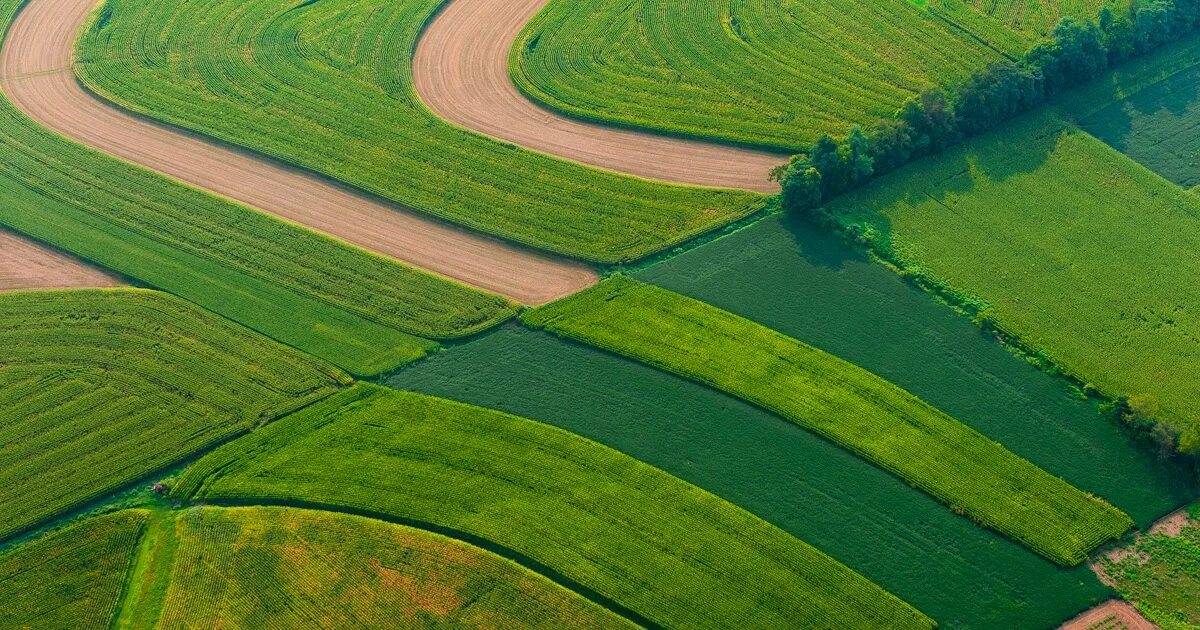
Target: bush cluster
{"points": [[938, 118]]}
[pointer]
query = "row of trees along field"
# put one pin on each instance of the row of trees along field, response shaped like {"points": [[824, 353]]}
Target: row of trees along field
{"points": [[938, 118]]}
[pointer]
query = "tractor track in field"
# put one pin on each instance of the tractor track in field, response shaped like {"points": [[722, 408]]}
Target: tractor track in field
{"points": [[26, 265], [460, 71], [35, 62]]}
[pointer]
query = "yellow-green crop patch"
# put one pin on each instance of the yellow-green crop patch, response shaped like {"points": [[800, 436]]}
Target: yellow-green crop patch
{"points": [[1013, 26], [667, 551], [70, 578], [100, 388], [769, 73], [1064, 243], [844, 403], [271, 567], [328, 86]]}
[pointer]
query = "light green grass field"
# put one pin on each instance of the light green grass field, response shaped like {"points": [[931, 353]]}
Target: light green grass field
{"points": [[770, 73], [328, 86], [1013, 26], [100, 388], [1160, 573], [844, 403], [667, 551], [1066, 244], [270, 567], [71, 578]]}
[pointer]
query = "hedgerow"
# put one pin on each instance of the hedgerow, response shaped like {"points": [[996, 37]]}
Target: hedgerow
{"points": [[70, 578], [99, 388], [844, 403], [240, 567], [670, 553], [328, 86]]}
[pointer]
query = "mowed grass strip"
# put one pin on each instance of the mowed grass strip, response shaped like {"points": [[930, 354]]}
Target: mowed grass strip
{"points": [[271, 567], [71, 578], [765, 73], [328, 86], [844, 403], [1064, 243], [99, 388], [665, 550]]}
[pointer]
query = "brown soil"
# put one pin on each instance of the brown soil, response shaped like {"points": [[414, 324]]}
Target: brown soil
{"points": [[35, 65], [1126, 613], [1172, 525], [27, 265], [461, 72]]}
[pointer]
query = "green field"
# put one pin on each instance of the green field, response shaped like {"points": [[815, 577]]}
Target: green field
{"points": [[1160, 574], [294, 81], [265, 567], [100, 388], [71, 578], [1095, 266], [562, 502], [1158, 126], [962, 575], [842, 402], [1013, 26], [773, 73]]}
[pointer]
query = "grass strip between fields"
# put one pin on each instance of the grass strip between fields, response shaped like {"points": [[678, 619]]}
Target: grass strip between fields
{"points": [[651, 544], [843, 402], [100, 388], [70, 578]]}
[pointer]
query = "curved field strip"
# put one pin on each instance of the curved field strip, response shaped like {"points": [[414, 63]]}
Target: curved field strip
{"points": [[771, 73], [328, 86], [461, 72], [99, 388], [270, 567], [656, 546], [35, 66], [844, 403], [25, 264], [70, 578]]}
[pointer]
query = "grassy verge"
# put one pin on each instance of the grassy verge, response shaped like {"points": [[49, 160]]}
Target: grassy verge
{"points": [[662, 549], [844, 403]]}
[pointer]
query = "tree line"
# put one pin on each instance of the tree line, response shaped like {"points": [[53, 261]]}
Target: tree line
{"points": [[1078, 51]]}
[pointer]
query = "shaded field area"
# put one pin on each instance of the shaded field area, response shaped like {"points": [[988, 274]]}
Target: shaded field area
{"points": [[1093, 265], [328, 86], [259, 567], [846, 404], [71, 578], [25, 264], [1158, 126], [960, 574], [771, 73], [99, 388], [561, 502]]}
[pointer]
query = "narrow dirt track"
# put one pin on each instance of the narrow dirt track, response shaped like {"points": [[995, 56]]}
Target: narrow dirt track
{"points": [[28, 265], [1124, 612], [461, 72], [35, 67]]}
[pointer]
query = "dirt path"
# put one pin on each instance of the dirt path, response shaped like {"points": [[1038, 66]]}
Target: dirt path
{"points": [[27, 265], [1122, 611], [35, 68], [461, 72]]}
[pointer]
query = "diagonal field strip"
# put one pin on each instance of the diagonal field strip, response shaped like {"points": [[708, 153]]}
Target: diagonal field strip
{"points": [[41, 40], [461, 72], [25, 264]]}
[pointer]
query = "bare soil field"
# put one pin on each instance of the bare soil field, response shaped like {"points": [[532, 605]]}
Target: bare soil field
{"points": [[1121, 611], [35, 70], [27, 265], [461, 72]]}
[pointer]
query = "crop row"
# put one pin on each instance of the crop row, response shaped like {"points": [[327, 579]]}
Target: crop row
{"points": [[269, 567], [328, 86], [760, 72], [844, 403], [1014, 25], [669, 552], [99, 388], [70, 578]]}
